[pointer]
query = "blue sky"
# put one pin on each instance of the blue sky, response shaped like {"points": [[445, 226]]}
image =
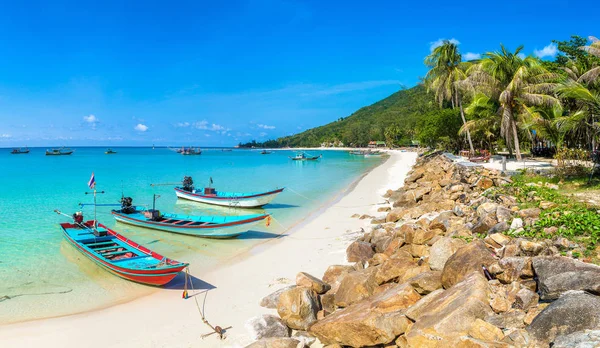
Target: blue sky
{"points": [[217, 73]]}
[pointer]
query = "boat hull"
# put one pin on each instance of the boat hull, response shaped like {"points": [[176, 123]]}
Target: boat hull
{"points": [[248, 201], [155, 276], [216, 231]]}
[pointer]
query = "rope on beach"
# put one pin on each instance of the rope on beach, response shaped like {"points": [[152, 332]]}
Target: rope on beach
{"points": [[299, 194], [314, 238], [216, 329]]}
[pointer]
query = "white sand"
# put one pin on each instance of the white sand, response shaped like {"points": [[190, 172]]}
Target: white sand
{"points": [[166, 320]]}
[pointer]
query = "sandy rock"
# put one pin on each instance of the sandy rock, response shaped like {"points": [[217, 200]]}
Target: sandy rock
{"points": [[314, 283], [485, 183], [415, 175], [271, 300], [442, 221], [526, 299], [519, 338], [557, 274], [395, 214], [418, 251], [513, 318], [421, 236], [356, 286], [265, 326], [530, 213], [466, 260], [277, 342], [534, 312], [393, 269], [485, 331], [334, 275], [376, 320], [500, 238], [500, 304], [377, 259], [359, 251], [572, 312], [486, 209], [503, 214], [444, 314], [441, 251], [298, 307], [426, 282], [531, 248], [514, 268], [395, 244], [484, 224]]}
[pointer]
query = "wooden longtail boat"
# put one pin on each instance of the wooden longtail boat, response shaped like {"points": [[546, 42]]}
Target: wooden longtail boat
{"points": [[121, 256], [20, 151], [266, 152], [110, 152], [200, 226], [305, 157], [209, 195], [59, 152]]}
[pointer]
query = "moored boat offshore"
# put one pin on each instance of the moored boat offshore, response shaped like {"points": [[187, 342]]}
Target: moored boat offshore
{"points": [[209, 195], [59, 152]]}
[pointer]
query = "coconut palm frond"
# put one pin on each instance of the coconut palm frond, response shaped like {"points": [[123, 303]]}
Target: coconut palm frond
{"points": [[539, 100], [591, 76]]}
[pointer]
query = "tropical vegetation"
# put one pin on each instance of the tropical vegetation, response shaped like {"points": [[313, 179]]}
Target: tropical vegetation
{"points": [[502, 101]]}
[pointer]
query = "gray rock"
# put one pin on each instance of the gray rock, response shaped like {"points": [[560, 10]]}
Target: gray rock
{"points": [[499, 228], [266, 326], [305, 338], [503, 214], [441, 251], [574, 311], [558, 274], [582, 339], [270, 301], [516, 224]]}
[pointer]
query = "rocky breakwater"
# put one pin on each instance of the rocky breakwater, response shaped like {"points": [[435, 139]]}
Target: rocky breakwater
{"points": [[437, 271]]}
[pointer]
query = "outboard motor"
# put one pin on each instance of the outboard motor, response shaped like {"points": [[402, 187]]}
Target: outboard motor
{"points": [[127, 205], [188, 184]]}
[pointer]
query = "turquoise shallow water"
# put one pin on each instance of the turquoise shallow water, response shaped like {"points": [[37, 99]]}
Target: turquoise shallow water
{"points": [[42, 276]]}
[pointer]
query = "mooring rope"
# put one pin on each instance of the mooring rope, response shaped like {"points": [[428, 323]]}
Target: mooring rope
{"points": [[216, 329]]}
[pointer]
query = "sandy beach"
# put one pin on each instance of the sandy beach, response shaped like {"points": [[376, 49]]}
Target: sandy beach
{"points": [[230, 294]]}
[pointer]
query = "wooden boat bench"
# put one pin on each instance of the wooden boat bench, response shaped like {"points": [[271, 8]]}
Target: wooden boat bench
{"points": [[117, 253]]}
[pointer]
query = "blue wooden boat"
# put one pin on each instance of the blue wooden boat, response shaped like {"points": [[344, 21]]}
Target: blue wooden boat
{"points": [[120, 255], [200, 226], [303, 156]]}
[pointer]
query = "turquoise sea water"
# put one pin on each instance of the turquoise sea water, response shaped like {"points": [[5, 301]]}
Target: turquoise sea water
{"points": [[41, 275]]}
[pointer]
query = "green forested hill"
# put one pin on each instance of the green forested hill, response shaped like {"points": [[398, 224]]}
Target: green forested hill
{"points": [[394, 117]]}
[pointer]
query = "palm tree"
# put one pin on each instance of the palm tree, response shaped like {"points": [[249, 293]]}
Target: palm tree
{"points": [[484, 119], [593, 48], [582, 123], [447, 68], [516, 83]]}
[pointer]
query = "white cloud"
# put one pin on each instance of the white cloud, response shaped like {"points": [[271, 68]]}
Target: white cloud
{"points": [[262, 134], [471, 56], [433, 45], [211, 127], [264, 126], [141, 127], [90, 119], [5, 135], [521, 55], [182, 124], [549, 51]]}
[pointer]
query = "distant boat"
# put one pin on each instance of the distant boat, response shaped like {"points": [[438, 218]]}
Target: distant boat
{"points": [[189, 151], [199, 226], [59, 152], [110, 152], [120, 255], [226, 150], [303, 156], [20, 151], [265, 152]]}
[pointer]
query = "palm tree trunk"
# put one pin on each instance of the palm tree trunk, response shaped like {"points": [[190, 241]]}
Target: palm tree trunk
{"points": [[462, 115], [516, 139]]}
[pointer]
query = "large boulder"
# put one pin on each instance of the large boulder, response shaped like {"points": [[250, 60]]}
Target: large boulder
{"points": [[359, 251], [398, 270], [445, 315], [276, 342], [376, 320], [573, 311], [583, 339], [271, 300], [356, 286], [265, 326], [557, 274], [298, 307], [334, 275], [308, 281], [426, 282], [441, 251], [466, 260]]}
